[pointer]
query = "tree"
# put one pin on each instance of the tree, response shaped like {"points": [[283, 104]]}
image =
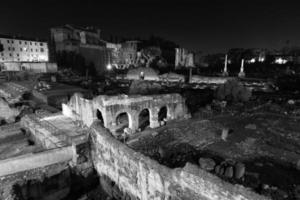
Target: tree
{"points": [[76, 62], [150, 54]]}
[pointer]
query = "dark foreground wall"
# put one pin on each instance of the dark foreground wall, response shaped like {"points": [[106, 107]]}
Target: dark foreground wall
{"points": [[139, 177]]}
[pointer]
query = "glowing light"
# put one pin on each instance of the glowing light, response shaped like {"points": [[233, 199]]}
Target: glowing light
{"points": [[280, 61], [109, 67], [261, 59], [252, 60]]}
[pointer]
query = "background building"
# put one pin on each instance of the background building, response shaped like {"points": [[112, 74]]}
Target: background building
{"points": [[17, 49], [85, 42], [183, 58]]}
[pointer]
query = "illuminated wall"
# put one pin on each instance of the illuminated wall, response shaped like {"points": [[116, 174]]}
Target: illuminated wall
{"points": [[19, 50]]}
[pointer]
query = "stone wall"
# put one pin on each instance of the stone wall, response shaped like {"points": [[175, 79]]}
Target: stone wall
{"points": [[44, 134], [141, 178], [36, 160], [9, 182], [210, 80], [7, 112]]}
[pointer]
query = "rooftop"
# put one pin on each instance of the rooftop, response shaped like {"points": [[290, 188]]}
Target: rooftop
{"points": [[18, 37], [72, 27]]}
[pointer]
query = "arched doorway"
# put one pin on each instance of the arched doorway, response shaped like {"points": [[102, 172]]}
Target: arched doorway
{"points": [[99, 117], [144, 119], [122, 122], [162, 114]]}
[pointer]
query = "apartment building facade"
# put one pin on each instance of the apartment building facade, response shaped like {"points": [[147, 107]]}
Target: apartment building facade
{"points": [[18, 49]]}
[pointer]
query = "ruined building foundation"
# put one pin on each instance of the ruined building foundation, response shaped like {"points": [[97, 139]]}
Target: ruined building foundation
{"points": [[111, 106]]}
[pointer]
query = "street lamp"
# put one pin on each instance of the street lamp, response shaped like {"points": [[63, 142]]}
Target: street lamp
{"points": [[109, 67]]}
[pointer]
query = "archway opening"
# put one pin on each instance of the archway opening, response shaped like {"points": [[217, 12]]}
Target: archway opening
{"points": [[162, 114], [144, 119], [122, 122], [100, 117]]}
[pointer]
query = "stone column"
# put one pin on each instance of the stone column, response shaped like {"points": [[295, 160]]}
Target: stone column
{"points": [[170, 111], [242, 73], [154, 118], [225, 72], [134, 121]]}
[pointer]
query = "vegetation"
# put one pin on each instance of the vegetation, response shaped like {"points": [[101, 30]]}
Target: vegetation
{"points": [[76, 62], [233, 91], [144, 87]]}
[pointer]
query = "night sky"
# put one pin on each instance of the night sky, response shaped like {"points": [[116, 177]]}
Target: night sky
{"points": [[210, 26]]}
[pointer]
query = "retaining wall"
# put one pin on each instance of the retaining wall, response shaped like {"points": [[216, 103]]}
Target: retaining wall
{"points": [[143, 178], [32, 161]]}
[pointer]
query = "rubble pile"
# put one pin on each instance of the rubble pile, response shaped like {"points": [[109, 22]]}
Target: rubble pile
{"points": [[42, 86]]}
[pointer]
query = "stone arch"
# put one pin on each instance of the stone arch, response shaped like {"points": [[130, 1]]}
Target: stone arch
{"points": [[162, 113], [144, 119], [99, 117], [123, 120]]}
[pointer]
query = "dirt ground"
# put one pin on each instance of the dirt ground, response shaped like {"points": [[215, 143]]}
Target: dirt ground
{"points": [[264, 137]]}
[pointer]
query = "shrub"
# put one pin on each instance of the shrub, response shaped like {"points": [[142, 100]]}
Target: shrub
{"points": [[144, 87], [233, 91]]}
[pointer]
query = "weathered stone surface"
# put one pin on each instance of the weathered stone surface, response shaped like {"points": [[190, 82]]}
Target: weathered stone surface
{"points": [[217, 169], [161, 152], [239, 170], [111, 107], [139, 176], [207, 164], [224, 135], [250, 126], [229, 172], [7, 112], [37, 174]]}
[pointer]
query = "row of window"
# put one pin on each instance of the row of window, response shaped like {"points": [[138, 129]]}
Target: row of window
{"points": [[18, 59], [10, 54], [25, 49], [25, 42]]}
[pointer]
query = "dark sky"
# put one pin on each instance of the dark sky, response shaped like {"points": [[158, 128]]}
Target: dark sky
{"points": [[207, 25]]}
